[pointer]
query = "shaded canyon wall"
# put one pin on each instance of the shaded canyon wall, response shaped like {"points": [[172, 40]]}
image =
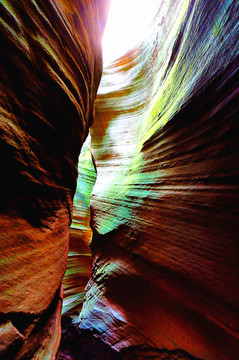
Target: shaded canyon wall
{"points": [[79, 256], [50, 69], [165, 204]]}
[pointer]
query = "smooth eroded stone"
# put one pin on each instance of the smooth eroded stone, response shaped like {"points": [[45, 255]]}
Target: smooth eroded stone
{"points": [[10, 338], [79, 256], [50, 69], [165, 203]]}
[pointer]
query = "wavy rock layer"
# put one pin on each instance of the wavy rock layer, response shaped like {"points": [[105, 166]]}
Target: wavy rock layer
{"points": [[79, 256], [165, 203], [50, 69]]}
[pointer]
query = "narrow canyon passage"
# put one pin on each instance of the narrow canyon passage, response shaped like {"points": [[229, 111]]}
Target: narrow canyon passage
{"points": [[160, 278]]}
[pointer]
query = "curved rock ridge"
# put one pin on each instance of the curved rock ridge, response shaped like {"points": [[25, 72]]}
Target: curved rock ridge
{"points": [[83, 345], [79, 257], [147, 352], [165, 203], [50, 69]]}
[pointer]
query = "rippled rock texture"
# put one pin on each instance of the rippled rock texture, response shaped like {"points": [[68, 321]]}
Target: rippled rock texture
{"points": [[79, 257], [165, 204], [50, 68]]}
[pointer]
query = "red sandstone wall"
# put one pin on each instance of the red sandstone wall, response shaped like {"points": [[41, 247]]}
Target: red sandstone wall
{"points": [[165, 203], [50, 68]]}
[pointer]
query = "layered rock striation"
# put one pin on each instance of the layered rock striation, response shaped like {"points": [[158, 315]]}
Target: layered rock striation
{"points": [[50, 68], [164, 278], [79, 255], [165, 204]]}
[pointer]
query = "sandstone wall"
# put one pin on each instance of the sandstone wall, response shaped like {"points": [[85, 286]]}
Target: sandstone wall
{"points": [[50, 68], [165, 203], [79, 256]]}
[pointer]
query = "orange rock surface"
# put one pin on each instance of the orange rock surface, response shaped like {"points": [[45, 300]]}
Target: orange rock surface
{"points": [[165, 203], [164, 275], [50, 69]]}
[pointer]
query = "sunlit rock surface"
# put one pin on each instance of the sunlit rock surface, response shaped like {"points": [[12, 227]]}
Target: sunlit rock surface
{"points": [[165, 204], [50, 68], [79, 256]]}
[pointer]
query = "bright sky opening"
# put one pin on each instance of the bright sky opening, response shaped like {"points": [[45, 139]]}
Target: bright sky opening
{"points": [[127, 21]]}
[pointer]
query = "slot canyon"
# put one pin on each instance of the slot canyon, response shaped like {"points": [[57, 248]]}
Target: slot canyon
{"points": [[119, 196]]}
